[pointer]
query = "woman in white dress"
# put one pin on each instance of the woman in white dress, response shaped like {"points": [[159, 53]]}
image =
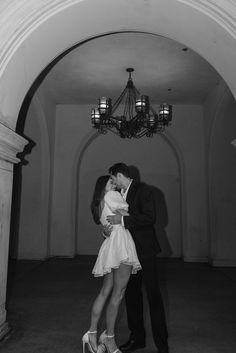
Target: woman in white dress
{"points": [[117, 259]]}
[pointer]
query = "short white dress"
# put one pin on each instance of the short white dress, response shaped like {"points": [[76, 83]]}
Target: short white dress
{"points": [[119, 247]]}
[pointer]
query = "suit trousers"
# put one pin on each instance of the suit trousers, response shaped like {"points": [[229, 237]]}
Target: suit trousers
{"points": [[134, 305]]}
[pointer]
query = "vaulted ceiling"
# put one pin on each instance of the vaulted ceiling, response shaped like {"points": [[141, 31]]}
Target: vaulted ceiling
{"points": [[165, 70]]}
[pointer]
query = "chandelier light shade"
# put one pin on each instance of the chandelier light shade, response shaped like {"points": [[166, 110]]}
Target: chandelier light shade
{"points": [[131, 116]]}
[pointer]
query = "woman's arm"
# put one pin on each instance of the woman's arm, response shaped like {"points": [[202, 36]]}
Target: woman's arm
{"points": [[115, 201], [117, 205], [122, 212]]}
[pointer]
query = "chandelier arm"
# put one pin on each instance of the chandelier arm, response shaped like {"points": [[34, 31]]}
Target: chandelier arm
{"points": [[141, 123], [115, 120], [126, 105], [114, 132], [118, 101], [129, 104], [132, 102], [136, 91], [143, 133]]}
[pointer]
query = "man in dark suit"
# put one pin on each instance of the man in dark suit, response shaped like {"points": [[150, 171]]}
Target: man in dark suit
{"points": [[140, 222]]}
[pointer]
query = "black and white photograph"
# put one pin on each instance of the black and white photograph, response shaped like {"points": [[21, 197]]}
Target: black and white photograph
{"points": [[117, 176]]}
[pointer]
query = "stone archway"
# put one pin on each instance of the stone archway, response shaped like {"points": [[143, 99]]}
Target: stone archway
{"points": [[34, 35], [211, 32]]}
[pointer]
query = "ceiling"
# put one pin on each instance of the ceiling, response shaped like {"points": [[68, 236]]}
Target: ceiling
{"points": [[165, 70]]}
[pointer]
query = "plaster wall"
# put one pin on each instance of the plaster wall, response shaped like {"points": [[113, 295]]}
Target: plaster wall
{"points": [[222, 176], [47, 109], [32, 181], [80, 156], [33, 207], [156, 165]]}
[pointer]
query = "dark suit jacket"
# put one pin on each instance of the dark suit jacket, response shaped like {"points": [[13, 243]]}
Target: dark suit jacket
{"points": [[142, 219]]}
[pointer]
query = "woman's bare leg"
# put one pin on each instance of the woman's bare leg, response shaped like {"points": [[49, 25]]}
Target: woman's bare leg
{"points": [[98, 306], [120, 280]]}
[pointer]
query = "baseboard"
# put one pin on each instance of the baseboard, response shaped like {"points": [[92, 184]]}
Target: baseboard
{"points": [[4, 330], [214, 262], [223, 262], [195, 259]]}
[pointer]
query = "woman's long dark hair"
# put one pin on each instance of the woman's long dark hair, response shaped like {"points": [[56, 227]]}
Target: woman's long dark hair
{"points": [[99, 192]]}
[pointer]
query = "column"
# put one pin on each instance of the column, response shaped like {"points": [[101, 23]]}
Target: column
{"points": [[10, 144]]}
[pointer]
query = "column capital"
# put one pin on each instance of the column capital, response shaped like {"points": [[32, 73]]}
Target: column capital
{"points": [[10, 144]]}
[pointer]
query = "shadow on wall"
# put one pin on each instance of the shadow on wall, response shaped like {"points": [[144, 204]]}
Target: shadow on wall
{"points": [[161, 217]]}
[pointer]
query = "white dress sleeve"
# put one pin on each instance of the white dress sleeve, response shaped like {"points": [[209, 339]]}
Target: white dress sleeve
{"points": [[115, 201]]}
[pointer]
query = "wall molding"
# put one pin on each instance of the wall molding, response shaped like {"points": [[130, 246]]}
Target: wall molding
{"points": [[170, 140], [21, 17], [10, 144], [220, 11], [195, 259], [75, 191], [223, 262]]}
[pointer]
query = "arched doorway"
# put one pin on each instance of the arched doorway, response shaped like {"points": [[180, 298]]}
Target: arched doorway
{"points": [[158, 163]]}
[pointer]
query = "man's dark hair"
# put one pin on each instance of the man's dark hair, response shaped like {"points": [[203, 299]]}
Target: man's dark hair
{"points": [[120, 168]]}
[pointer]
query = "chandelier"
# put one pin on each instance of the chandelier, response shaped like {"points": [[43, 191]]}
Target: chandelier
{"points": [[131, 115]]}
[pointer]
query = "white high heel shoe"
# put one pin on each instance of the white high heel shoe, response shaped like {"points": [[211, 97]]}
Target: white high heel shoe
{"points": [[102, 341], [85, 340]]}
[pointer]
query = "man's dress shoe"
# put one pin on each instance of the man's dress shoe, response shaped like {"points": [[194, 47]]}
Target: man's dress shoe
{"points": [[131, 345]]}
